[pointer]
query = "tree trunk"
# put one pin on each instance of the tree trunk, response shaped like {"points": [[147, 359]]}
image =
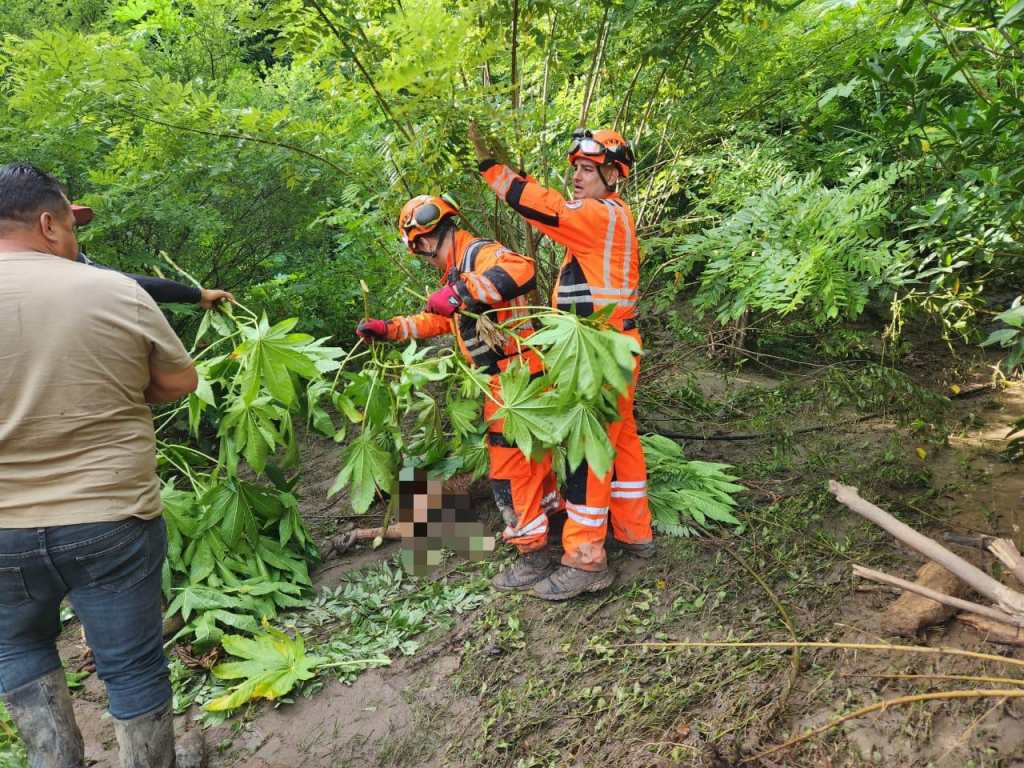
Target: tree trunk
{"points": [[595, 68]]}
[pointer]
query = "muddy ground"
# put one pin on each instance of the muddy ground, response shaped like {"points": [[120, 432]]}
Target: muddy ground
{"points": [[525, 684]]}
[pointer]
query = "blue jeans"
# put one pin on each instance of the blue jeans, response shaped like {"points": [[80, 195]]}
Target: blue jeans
{"points": [[111, 574]]}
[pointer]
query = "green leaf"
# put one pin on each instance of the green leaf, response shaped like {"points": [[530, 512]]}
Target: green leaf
{"points": [[532, 417], [1004, 337], [366, 467], [271, 354], [229, 509], [273, 665], [582, 359], [464, 415], [585, 435], [1011, 15]]}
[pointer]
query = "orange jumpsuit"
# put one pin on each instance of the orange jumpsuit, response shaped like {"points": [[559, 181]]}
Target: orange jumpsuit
{"points": [[486, 276], [601, 267]]}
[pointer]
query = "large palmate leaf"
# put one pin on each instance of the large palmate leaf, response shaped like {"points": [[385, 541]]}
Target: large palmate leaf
{"points": [[582, 358], [531, 415], [270, 354], [230, 509], [585, 436], [365, 468], [273, 664]]}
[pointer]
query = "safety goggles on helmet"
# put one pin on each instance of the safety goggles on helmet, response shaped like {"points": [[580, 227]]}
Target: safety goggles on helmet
{"points": [[422, 215], [604, 147], [584, 143], [426, 216]]}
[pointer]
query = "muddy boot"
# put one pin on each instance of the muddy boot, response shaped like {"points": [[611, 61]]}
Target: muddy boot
{"points": [[191, 749], [568, 582], [644, 551], [43, 713], [147, 741], [524, 572]]}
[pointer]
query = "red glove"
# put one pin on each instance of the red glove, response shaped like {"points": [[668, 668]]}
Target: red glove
{"points": [[444, 301], [372, 329]]}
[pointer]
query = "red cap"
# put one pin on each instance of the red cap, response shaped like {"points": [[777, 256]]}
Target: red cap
{"points": [[83, 214]]}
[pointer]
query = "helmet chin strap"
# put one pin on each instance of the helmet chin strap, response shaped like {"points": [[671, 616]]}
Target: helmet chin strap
{"points": [[607, 186], [433, 254]]}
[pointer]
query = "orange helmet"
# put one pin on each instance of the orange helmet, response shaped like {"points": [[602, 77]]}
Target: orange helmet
{"points": [[604, 146], [421, 216]]}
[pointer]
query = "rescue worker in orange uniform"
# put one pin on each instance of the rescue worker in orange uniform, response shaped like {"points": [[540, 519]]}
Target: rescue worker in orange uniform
{"points": [[482, 275], [601, 268]]}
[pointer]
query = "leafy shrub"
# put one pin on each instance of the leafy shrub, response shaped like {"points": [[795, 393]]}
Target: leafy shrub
{"points": [[798, 245], [1010, 337]]}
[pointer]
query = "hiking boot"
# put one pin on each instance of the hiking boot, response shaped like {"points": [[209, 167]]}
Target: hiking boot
{"points": [[524, 572], [147, 741], [44, 716], [644, 551], [567, 582]]}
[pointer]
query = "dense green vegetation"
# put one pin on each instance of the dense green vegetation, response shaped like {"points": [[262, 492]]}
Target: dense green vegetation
{"points": [[800, 160], [828, 170]]}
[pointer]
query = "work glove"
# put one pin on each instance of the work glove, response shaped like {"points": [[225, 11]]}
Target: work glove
{"points": [[371, 328], [444, 301]]}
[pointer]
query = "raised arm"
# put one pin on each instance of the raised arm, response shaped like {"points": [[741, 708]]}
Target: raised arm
{"points": [[564, 221]]}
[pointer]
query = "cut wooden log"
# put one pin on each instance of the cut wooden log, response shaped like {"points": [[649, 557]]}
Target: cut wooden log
{"points": [[1010, 601], [1008, 555], [912, 612], [993, 631], [956, 602]]}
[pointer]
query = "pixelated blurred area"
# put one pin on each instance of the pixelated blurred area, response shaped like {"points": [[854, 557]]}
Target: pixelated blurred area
{"points": [[432, 518]]}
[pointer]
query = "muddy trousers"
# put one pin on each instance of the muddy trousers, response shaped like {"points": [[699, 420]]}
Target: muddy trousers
{"points": [[525, 491], [622, 492]]}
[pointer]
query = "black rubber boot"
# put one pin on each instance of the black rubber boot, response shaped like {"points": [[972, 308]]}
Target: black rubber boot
{"points": [[524, 572], [566, 583], [147, 741], [43, 713]]}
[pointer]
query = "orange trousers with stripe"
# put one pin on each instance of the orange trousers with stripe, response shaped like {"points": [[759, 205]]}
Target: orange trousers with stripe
{"points": [[622, 492], [525, 491]]}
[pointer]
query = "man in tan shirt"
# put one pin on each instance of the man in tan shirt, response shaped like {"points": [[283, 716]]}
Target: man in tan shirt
{"points": [[82, 352]]}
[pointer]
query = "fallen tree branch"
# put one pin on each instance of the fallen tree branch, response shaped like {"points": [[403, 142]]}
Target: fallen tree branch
{"points": [[938, 597], [764, 644], [970, 678], [762, 435], [981, 693], [973, 541], [1007, 599], [345, 541]]}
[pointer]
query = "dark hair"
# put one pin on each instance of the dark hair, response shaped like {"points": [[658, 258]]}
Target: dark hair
{"points": [[26, 191], [443, 228]]}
